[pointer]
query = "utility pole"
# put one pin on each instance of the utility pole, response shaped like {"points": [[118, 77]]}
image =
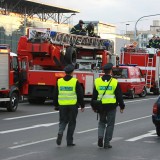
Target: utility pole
{"points": [[135, 30]]}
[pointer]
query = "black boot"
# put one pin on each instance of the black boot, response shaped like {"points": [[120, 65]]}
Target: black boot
{"points": [[100, 141], [59, 139], [107, 145]]}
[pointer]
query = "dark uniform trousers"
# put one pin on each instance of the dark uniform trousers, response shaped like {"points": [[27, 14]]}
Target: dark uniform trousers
{"points": [[106, 117], [68, 115]]}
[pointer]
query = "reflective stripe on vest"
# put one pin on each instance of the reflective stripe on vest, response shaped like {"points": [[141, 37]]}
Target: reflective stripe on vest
{"points": [[109, 96], [67, 91]]}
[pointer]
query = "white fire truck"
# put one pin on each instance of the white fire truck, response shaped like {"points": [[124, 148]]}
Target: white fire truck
{"points": [[148, 60]]}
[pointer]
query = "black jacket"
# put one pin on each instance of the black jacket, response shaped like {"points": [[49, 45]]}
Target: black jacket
{"points": [[118, 95], [79, 92]]}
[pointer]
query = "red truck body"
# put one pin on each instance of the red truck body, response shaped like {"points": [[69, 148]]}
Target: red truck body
{"points": [[148, 61], [48, 54]]}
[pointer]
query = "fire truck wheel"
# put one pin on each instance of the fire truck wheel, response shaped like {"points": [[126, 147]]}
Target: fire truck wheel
{"points": [[13, 104], [144, 92], [70, 56], [132, 94]]}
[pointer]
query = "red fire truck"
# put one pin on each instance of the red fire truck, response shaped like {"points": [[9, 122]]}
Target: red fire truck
{"points": [[9, 79], [49, 52], [148, 61]]}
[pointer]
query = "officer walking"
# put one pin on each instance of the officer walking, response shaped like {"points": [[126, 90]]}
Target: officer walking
{"points": [[110, 100], [68, 96]]}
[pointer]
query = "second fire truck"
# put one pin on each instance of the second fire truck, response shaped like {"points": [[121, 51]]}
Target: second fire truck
{"points": [[148, 60]]}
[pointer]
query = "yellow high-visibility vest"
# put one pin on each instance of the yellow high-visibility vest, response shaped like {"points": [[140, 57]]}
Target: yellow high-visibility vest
{"points": [[67, 91], [109, 96]]}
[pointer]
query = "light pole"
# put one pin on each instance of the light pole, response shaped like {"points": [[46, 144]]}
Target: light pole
{"points": [[135, 30], [126, 33], [126, 29]]}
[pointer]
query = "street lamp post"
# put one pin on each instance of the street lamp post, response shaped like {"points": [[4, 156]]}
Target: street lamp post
{"points": [[126, 29], [135, 31]]}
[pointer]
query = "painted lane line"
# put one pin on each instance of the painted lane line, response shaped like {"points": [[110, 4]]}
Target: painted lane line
{"points": [[34, 115], [93, 129], [40, 114], [131, 120], [20, 156], [140, 100], [150, 134], [29, 144], [31, 127]]}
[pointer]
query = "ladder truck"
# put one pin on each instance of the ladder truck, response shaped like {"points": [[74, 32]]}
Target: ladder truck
{"points": [[148, 60], [48, 52]]}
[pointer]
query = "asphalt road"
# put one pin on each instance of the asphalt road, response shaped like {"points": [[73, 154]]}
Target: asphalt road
{"points": [[30, 134]]}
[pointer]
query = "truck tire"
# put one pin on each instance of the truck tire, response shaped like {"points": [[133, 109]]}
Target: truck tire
{"points": [[70, 56], [13, 103], [144, 92], [158, 131]]}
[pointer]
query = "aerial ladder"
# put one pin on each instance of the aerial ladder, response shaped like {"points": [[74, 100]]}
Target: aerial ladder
{"points": [[149, 71], [78, 41]]}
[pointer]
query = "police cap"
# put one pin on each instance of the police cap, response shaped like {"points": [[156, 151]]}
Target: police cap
{"points": [[69, 68], [80, 21], [108, 66]]}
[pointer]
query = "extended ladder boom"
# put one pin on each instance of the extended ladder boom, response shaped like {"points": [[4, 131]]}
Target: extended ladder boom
{"points": [[79, 40], [68, 39]]}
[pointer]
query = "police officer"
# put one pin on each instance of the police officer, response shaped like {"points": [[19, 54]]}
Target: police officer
{"points": [[111, 99], [78, 29], [68, 96]]}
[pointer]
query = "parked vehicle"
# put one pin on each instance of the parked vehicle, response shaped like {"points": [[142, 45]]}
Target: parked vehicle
{"points": [[48, 52], [156, 115], [148, 60], [9, 79], [131, 80]]}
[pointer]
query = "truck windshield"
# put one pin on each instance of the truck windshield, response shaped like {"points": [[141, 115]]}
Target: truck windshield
{"points": [[120, 73]]}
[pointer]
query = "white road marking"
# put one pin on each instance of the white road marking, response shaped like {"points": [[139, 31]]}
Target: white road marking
{"points": [[20, 156], [40, 114], [34, 115], [131, 120], [29, 144], [150, 134], [31, 127], [44, 125]]}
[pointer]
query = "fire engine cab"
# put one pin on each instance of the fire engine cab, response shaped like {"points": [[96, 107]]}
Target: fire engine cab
{"points": [[131, 80], [148, 60], [48, 52], [9, 79]]}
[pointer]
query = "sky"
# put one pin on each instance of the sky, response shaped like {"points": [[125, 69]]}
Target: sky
{"points": [[117, 12]]}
